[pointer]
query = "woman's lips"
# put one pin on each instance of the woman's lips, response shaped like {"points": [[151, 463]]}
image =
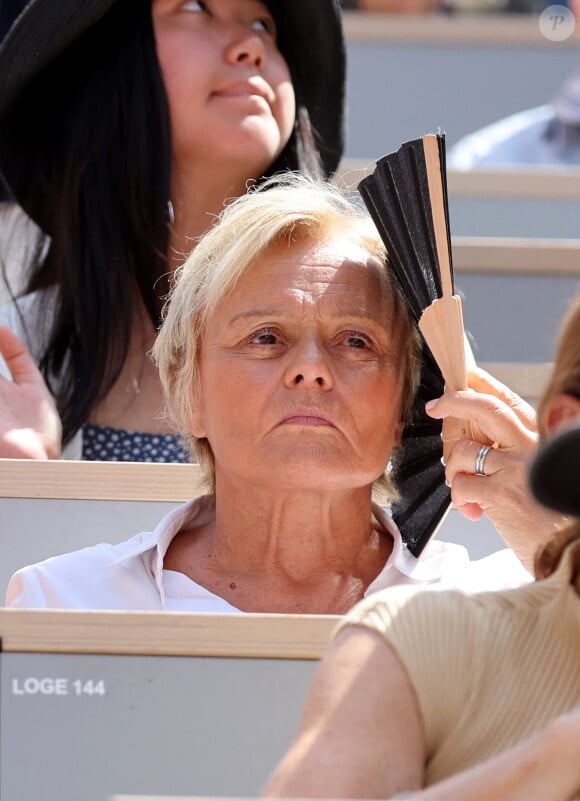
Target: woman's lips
{"points": [[246, 89], [307, 419]]}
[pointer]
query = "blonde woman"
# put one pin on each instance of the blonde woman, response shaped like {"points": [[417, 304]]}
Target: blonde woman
{"points": [[289, 363]]}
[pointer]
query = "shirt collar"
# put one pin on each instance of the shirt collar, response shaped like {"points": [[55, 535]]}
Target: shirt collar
{"points": [[400, 567], [192, 514]]}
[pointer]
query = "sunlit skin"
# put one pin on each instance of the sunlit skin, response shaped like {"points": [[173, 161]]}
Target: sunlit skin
{"points": [[300, 399], [231, 100], [297, 367], [502, 494]]}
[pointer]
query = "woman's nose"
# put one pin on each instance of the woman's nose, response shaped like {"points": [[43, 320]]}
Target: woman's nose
{"points": [[309, 367], [247, 47]]}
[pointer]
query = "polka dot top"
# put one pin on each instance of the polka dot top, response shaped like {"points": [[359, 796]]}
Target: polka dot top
{"points": [[105, 444]]}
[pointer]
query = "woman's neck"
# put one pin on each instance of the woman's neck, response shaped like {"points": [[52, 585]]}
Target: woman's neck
{"points": [[295, 532], [197, 197], [285, 552]]}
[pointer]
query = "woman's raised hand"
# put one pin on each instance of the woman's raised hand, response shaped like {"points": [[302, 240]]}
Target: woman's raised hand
{"points": [[29, 423], [500, 488]]}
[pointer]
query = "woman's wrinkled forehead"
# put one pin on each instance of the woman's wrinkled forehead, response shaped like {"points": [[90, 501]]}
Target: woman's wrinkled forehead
{"points": [[346, 251], [359, 248], [331, 270]]}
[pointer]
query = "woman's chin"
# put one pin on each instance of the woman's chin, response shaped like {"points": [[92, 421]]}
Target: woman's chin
{"points": [[251, 152], [314, 475]]}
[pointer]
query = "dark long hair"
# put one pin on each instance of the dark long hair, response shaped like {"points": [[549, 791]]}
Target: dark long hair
{"points": [[302, 151], [92, 152]]}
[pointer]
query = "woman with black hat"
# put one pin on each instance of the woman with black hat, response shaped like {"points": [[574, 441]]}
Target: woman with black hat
{"points": [[124, 126]]}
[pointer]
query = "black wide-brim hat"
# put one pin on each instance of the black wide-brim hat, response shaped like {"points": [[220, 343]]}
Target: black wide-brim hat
{"points": [[555, 473], [35, 32]]}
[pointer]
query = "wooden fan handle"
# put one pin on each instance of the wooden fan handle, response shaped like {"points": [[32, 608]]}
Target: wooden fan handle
{"points": [[442, 326], [442, 323], [435, 183]]}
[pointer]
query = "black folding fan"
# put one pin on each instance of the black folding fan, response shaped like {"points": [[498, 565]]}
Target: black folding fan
{"points": [[407, 199]]}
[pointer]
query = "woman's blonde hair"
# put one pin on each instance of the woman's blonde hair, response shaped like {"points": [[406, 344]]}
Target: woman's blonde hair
{"points": [[565, 379], [288, 210]]}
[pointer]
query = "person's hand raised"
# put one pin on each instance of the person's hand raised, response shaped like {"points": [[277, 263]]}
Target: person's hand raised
{"points": [[30, 427], [496, 483]]}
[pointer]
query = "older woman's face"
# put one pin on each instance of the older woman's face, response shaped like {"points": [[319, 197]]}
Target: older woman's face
{"points": [[300, 384]]}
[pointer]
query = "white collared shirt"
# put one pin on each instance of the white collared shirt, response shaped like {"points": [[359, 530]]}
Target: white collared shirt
{"points": [[130, 576]]}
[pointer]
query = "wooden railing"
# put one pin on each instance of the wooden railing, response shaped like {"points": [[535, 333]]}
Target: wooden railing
{"points": [[485, 30], [509, 182]]}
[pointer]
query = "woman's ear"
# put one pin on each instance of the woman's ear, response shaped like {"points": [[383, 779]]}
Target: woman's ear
{"points": [[562, 410]]}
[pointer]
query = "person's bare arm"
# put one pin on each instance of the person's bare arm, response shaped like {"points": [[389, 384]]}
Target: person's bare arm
{"points": [[361, 734], [545, 766]]}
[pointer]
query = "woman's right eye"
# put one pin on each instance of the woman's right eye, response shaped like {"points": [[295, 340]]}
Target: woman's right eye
{"points": [[266, 25], [265, 336], [194, 5]]}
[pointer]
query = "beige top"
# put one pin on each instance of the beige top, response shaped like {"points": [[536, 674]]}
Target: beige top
{"points": [[489, 669]]}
